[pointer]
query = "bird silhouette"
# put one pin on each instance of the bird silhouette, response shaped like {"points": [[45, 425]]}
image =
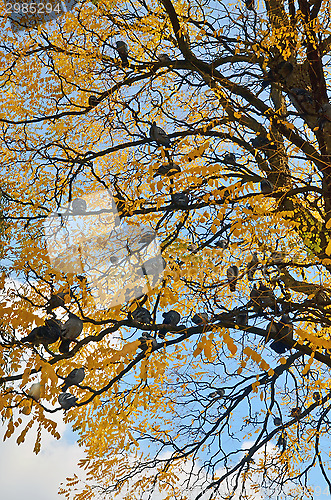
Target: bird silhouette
{"points": [[78, 206], [170, 318], [230, 159], [180, 200], [142, 315], [262, 142], [49, 333], [164, 58], [93, 100], [158, 135], [123, 52], [219, 393], [147, 340], [76, 376], [200, 318], [71, 329], [167, 169], [57, 300]]}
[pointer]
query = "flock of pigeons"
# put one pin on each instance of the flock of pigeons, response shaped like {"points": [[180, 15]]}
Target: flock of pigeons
{"points": [[49, 333]]}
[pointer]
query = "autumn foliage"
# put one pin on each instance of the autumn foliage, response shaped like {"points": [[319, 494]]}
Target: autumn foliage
{"points": [[235, 402]]}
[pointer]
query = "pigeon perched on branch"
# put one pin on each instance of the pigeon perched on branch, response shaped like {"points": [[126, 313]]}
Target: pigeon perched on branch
{"points": [[219, 393], [180, 200], [262, 142], [123, 52], [230, 159], [75, 377], [47, 334], [146, 341], [67, 400], [200, 318], [93, 100], [57, 300], [167, 169], [242, 317], [142, 315], [249, 4], [170, 318], [232, 274], [164, 58], [158, 135], [71, 329]]}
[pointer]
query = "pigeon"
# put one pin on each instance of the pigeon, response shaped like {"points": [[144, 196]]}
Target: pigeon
{"points": [[266, 187], [180, 200], [78, 206], [142, 315], [167, 169], [47, 334], [232, 274], [316, 396], [170, 318], [242, 317], [193, 247], [146, 340], [200, 318], [221, 244], [34, 393], [267, 298], [67, 400], [277, 421], [158, 135], [254, 299], [295, 412], [123, 51], [93, 100], [262, 142], [76, 376], [279, 347], [249, 4], [230, 159], [56, 300], [164, 58], [252, 266], [219, 393], [71, 329]]}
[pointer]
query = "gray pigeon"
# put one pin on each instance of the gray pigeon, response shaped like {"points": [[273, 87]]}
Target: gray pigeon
{"points": [[219, 393], [164, 58], [71, 329], [76, 376], [170, 318], [277, 421], [221, 244], [153, 266], [146, 340], [252, 266], [78, 206], [142, 315], [167, 169], [230, 159], [316, 396], [47, 334], [123, 52], [180, 200], [93, 100], [158, 135], [266, 186], [285, 328], [67, 400], [200, 318], [232, 274], [57, 300]]}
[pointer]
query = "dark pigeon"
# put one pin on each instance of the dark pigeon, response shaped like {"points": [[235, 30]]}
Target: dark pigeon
{"points": [[71, 329], [76, 376]]}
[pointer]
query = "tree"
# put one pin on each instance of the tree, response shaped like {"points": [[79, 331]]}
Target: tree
{"points": [[76, 118]]}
